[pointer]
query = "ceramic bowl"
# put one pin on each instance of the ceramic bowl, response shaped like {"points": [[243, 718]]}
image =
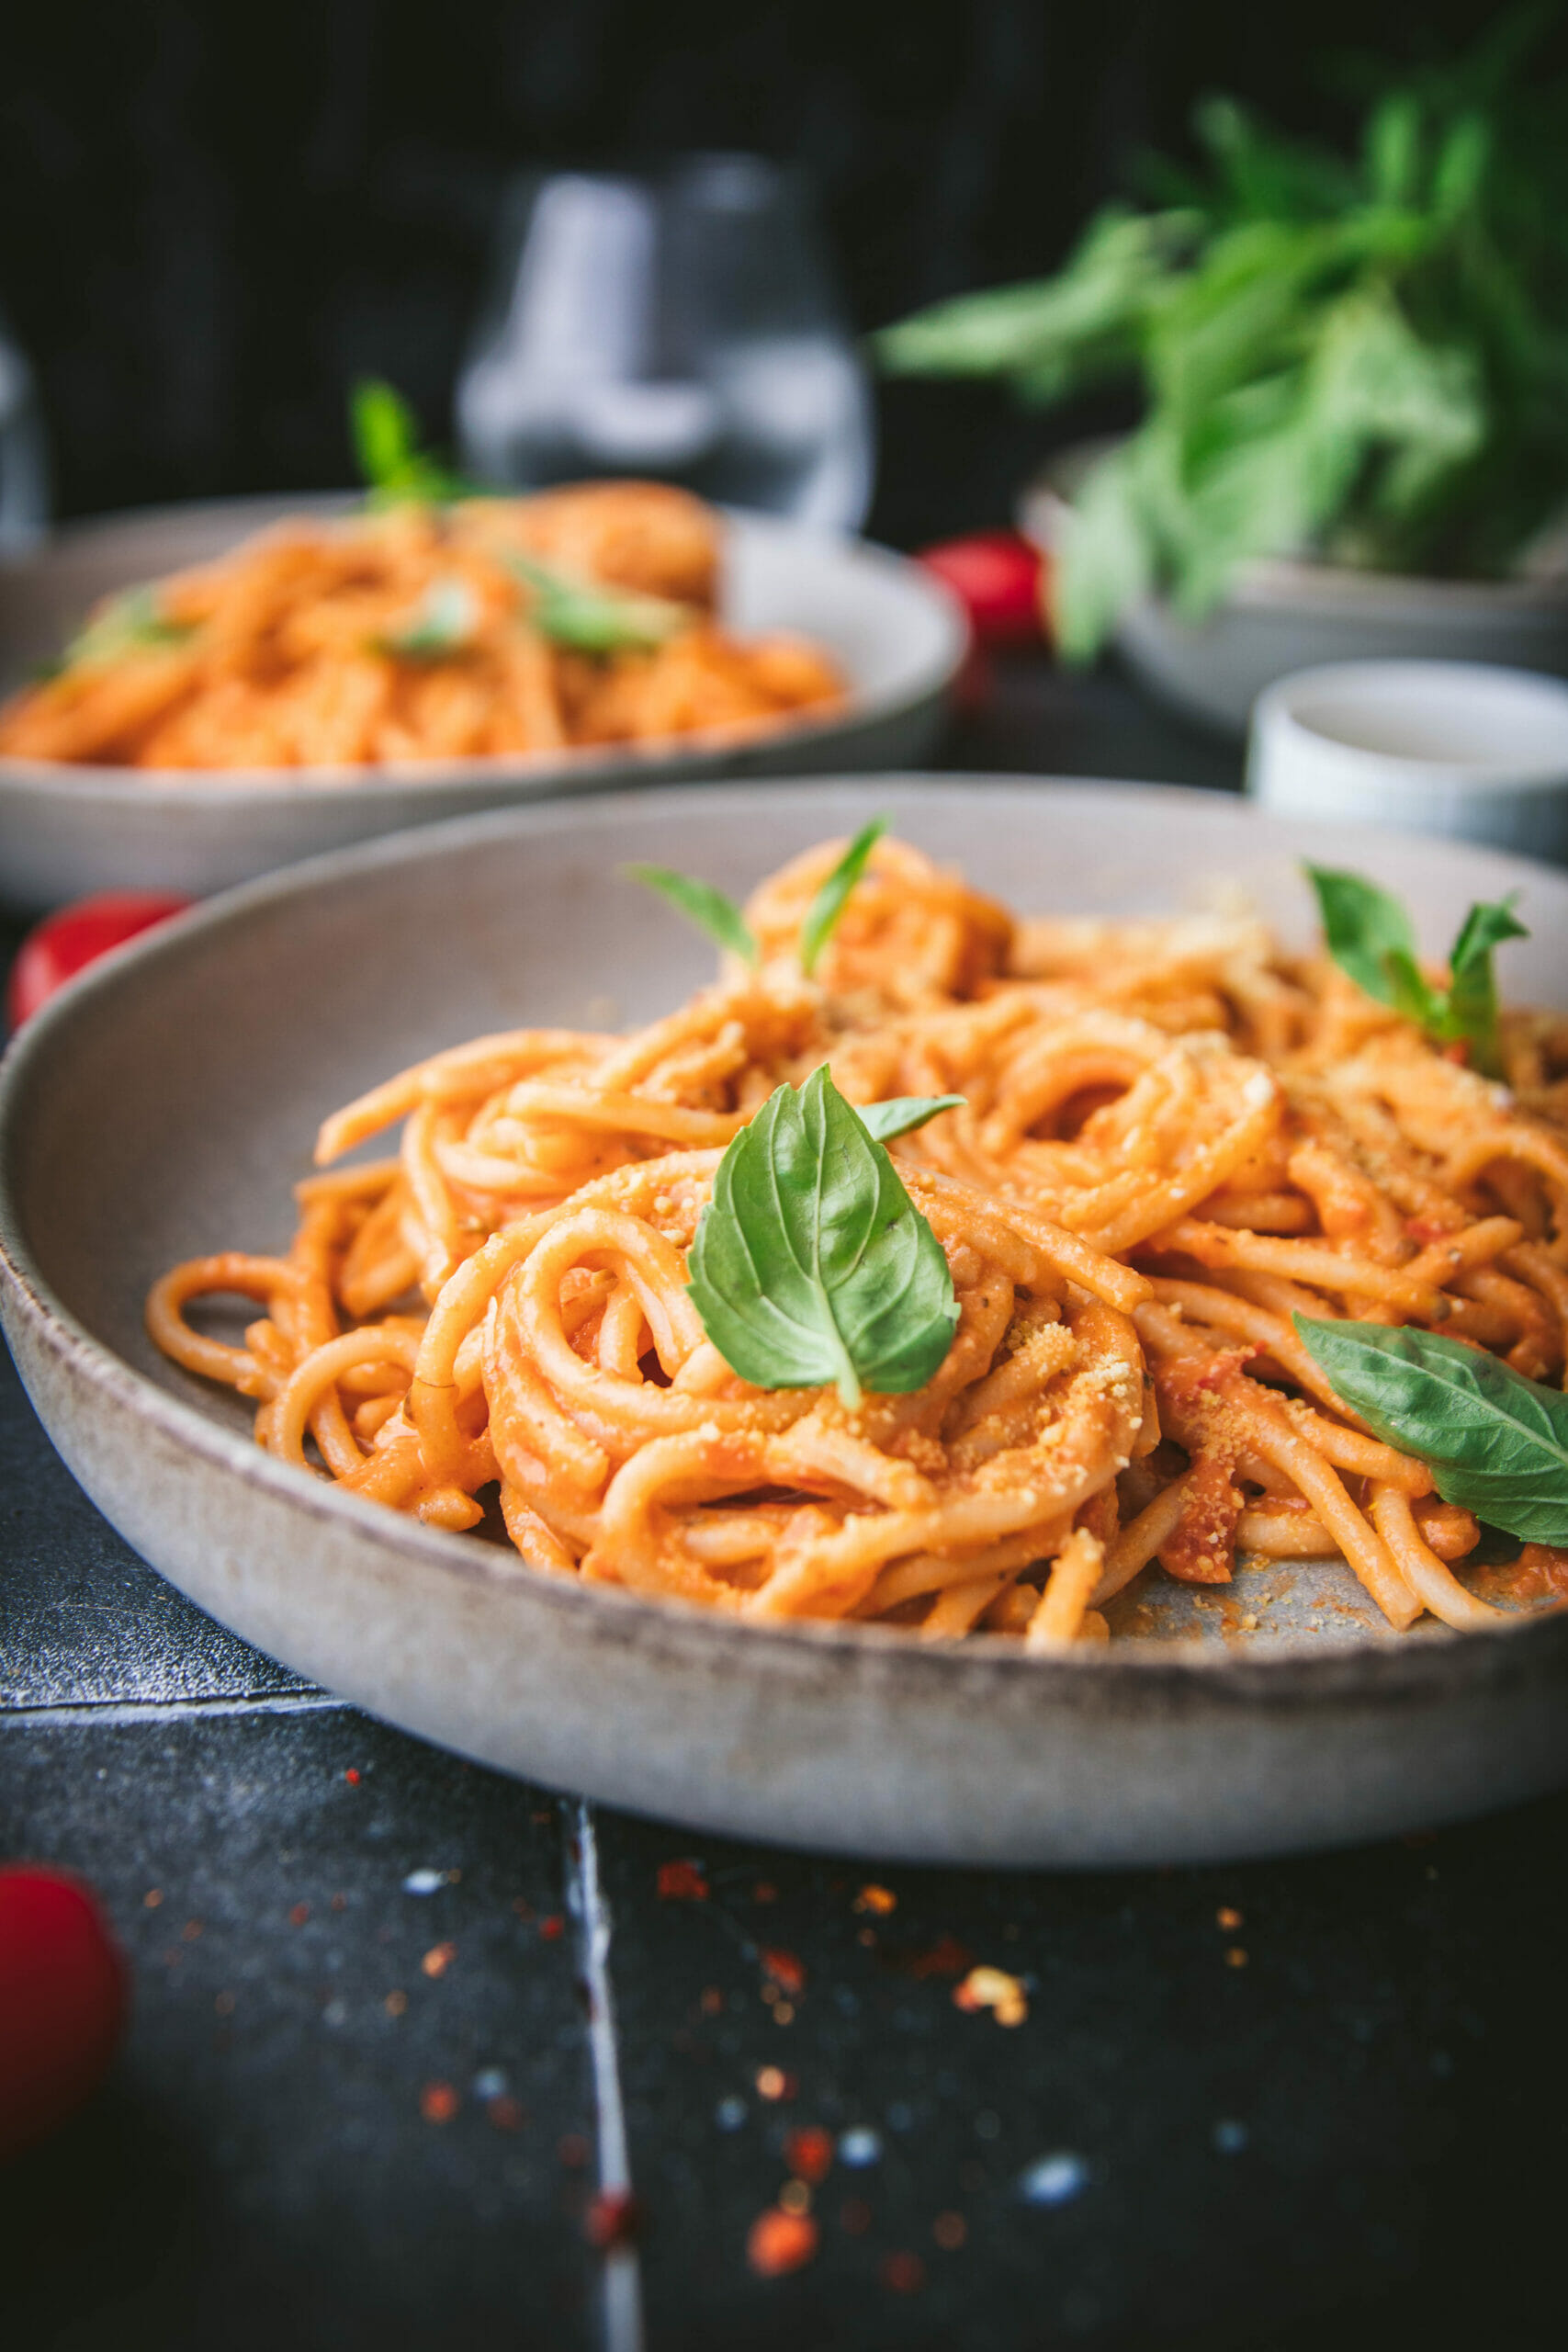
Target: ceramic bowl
{"points": [[163, 1103], [1281, 615], [897, 633]]}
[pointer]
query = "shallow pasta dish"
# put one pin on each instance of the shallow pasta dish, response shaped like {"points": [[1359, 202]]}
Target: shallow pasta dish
{"points": [[1173, 1138], [482, 628]]}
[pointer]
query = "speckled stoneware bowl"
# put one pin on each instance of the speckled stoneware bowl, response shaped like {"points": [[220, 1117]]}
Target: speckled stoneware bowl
{"points": [[163, 1105], [897, 633]]}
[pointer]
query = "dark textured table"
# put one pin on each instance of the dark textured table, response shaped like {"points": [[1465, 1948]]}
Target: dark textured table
{"points": [[399, 2024]]}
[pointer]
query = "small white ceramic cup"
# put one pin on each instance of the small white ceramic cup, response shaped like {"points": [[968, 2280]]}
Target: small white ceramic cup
{"points": [[1432, 747]]}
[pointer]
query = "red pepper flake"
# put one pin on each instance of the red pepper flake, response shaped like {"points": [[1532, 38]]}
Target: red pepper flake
{"points": [[613, 2218], [438, 1959], [682, 1882], [1236, 1957], [190, 1932], [298, 1916], [712, 2002], [764, 1891], [950, 2230], [154, 1897], [505, 2113], [778, 2241], [551, 1928], [808, 2151], [352, 1776], [993, 1989], [224, 2005], [773, 2082], [946, 1957], [439, 2102], [571, 2150], [877, 1899], [855, 2216], [903, 2273], [785, 1971], [395, 2004], [1227, 1918], [1459, 1051]]}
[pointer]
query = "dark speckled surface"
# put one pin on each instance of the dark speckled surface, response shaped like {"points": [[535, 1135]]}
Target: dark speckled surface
{"points": [[1335, 2116]]}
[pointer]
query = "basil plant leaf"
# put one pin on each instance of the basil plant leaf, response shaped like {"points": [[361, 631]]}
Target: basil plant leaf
{"points": [[385, 433], [822, 915], [701, 903], [903, 1112], [811, 1265], [126, 624], [588, 619], [445, 622], [1496, 1442], [1472, 986]]}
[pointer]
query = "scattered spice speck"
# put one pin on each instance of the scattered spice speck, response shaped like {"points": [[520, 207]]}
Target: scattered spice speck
{"points": [[425, 1882], [552, 1926], [1230, 2137], [1055, 2179], [773, 2082], [784, 2012], [224, 2005], [730, 2114], [778, 2241], [950, 2230], [878, 1900], [795, 2197], [154, 1897], [784, 1970], [1227, 1918], [488, 2083], [682, 1882], [764, 1891], [352, 1776], [946, 1957], [340, 1903], [993, 1989], [190, 1932], [299, 1913], [905, 2274], [860, 2146], [613, 2218], [808, 2153], [395, 2004], [712, 2001], [438, 1959], [572, 2149], [504, 2113], [439, 2102], [524, 1909], [1236, 1957]]}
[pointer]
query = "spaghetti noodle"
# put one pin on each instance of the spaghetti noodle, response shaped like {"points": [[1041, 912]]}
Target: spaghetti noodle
{"points": [[1173, 1135], [424, 632]]}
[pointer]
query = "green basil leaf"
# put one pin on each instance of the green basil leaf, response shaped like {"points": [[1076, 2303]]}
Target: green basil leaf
{"points": [[1368, 934], [903, 1112], [125, 624], [445, 622], [385, 433], [811, 1265], [1472, 987], [823, 914], [588, 619], [701, 903], [1496, 1442]]}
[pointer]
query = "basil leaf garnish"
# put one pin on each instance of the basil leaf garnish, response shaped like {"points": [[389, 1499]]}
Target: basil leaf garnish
{"points": [[1371, 936], [811, 1265], [901, 1113], [588, 619], [445, 622], [396, 471], [1496, 1442], [126, 624], [823, 914], [703, 904]]}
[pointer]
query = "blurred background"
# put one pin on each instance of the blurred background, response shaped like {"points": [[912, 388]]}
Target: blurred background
{"points": [[213, 221]]}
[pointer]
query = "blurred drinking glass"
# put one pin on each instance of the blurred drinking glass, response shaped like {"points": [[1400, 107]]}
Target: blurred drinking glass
{"points": [[683, 326], [24, 460]]}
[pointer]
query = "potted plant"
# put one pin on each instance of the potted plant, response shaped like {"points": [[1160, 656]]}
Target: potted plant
{"points": [[1355, 380]]}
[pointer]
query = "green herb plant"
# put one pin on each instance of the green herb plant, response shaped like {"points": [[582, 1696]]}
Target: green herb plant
{"points": [[585, 618], [396, 471], [703, 904], [1371, 937], [129, 623], [1496, 1443], [1362, 358], [811, 1265], [444, 623]]}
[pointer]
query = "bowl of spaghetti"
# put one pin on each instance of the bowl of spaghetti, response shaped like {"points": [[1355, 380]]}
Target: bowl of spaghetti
{"points": [[198, 695], [461, 1418]]}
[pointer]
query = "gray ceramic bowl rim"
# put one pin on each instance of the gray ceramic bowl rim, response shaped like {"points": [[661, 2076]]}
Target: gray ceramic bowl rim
{"points": [[1390, 1669], [616, 764]]}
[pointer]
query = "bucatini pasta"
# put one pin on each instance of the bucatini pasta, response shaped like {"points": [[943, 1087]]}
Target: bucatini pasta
{"points": [[1172, 1135], [423, 633]]}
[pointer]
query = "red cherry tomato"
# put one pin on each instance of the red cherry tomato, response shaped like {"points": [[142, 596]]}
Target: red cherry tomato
{"points": [[62, 1999], [999, 580], [66, 942]]}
